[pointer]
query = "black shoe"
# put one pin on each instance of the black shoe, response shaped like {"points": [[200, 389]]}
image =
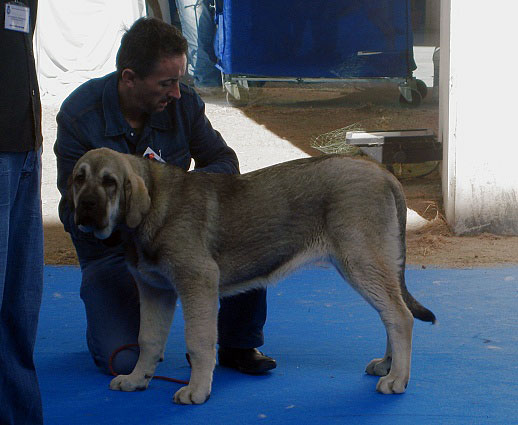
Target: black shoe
{"points": [[246, 360]]}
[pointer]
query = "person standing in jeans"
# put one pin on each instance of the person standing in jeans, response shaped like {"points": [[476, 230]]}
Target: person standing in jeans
{"points": [[21, 228], [199, 29]]}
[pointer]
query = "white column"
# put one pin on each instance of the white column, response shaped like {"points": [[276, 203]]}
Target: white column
{"points": [[478, 115]]}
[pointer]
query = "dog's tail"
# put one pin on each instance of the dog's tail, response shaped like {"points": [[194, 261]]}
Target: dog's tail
{"points": [[416, 308]]}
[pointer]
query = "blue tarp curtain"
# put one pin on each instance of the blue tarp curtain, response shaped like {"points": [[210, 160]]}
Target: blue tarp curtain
{"points": [[331, 39]]}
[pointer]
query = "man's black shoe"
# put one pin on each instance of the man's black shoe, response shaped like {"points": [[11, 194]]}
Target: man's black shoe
{"points": [[246, 360]]}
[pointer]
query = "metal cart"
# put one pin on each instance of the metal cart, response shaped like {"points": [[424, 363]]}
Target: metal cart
{"points": [[315, 41]]}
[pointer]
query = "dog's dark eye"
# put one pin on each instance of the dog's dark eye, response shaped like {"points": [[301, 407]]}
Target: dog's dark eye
{"points": [[79, 178], [109, 181]]}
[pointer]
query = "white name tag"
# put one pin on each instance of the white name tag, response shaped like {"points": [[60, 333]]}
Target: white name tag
{"points": [[151, 154], [17, 17]]}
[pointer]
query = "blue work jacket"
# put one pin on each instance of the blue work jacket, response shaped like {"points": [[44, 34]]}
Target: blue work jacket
{"points": [[91, 118]]}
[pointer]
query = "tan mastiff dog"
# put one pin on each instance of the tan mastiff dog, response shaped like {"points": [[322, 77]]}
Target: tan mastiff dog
{"points": [[204, 236]]}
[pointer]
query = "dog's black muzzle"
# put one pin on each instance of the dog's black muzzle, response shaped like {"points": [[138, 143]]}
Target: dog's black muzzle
{"points": [[89, 212]]}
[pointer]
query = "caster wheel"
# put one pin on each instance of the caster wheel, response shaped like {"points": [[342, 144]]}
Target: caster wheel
{"points": [[416, 100], [243, 100], [421, 88]]}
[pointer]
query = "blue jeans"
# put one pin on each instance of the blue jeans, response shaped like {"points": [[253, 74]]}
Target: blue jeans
{"points": [[199, 28], [111, 302], [21, 282]]}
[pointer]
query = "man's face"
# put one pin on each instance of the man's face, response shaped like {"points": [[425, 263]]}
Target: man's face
{"points": [[152, 93]]}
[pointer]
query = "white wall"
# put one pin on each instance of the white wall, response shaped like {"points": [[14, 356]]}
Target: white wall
{"points": [[478, 112]]}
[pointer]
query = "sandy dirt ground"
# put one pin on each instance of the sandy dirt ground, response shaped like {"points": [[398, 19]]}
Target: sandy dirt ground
{"points": [[280, 124]]}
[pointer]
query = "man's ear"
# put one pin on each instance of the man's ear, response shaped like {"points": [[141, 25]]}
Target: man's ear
{"points": [[138, 201], [128, 77]]}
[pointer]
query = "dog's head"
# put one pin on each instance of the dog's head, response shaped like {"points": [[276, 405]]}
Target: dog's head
{"points": [[105, 191]]}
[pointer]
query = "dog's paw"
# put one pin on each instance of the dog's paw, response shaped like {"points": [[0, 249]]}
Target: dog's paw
{"points": [[379, 367], [128, 383], [392, 384], [188, 395]]}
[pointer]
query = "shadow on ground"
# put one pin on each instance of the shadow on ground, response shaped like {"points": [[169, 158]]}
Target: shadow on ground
{"points": [[301, 113]]}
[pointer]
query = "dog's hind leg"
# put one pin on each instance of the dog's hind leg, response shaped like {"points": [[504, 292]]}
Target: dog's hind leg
{"points": [[398, 323], [200, 309], [157, 308], [378, 284]]}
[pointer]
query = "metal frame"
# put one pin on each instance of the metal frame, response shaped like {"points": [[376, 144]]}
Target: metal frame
{"points": [[238, 88]]}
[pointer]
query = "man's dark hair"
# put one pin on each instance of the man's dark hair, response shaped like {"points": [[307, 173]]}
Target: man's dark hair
{"points": [[146, 42]]}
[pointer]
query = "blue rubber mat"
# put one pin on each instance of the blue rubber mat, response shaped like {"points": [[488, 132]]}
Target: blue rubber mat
{"points": [[322, 335]]}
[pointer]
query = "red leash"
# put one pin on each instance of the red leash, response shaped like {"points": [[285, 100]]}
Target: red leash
{"points": [[125, 347]]}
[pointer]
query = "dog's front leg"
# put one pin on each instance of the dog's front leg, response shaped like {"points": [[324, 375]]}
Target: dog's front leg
{"points": [[200, 308], [381, 367], [156, 315]]}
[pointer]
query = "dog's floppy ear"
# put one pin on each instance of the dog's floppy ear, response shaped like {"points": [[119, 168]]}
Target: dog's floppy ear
{"points": [[137, 197]]}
